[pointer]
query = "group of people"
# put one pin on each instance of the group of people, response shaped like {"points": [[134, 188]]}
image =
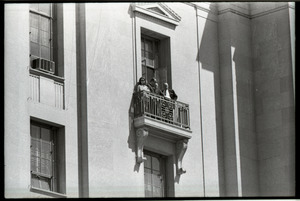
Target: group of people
{"points": [[153, 88]]}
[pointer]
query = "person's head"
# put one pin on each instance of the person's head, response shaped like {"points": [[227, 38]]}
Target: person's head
{"points": [[166, 86], [153, 81], [142, 81]]}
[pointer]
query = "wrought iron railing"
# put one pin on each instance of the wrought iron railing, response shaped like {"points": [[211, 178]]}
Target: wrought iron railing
{"points": [[162, 109]]}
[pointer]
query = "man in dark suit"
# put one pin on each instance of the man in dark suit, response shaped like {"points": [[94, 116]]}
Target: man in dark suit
{"points": [[153, 86], [167, 106]]}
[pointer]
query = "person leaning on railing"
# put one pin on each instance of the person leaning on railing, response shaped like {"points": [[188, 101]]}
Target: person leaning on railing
{"points": [[142, 86]]}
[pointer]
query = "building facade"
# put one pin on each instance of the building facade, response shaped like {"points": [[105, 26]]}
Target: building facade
{"points": [[75, 126]]}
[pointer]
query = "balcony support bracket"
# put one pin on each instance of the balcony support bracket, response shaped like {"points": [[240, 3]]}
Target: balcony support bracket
{"points": [[141, 135], [181, 147]]}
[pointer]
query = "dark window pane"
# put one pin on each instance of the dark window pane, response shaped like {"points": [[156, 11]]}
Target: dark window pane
{"points": [[34, 35], [46, 167], [34, 49], [45, 134], [155, 163], [35, 164], [45, 149], [45, 183], [150, 74], [35, 147], [148, 46], [45, 24], [143, 45], [147, 174], [34, 131], [45, 52], [45, 38], [147, 163], [156, 180], [35, 181], [34, 20]]}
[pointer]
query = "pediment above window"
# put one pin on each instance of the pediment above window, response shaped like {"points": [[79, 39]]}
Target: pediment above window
{"points": [[159, 11]]}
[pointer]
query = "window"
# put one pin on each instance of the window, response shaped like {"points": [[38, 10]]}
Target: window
{"points": [[42, 156], [156, 59], [47, 159], [149, 57], [154, 175], [41, 31]]}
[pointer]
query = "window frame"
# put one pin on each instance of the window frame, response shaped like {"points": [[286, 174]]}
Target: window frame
{"points": [[51, 34], [162, 69], [52, 177], [59, 177], [146, 67], [162, 171]]}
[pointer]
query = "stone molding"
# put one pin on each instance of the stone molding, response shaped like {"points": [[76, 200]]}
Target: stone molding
{"points": [[141, 136], [181, 147], [154, 20], [170, 17], [167, 133], [271, 11], [237, 12]]}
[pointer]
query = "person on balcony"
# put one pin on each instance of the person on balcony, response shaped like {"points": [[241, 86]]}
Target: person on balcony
{"points": [[153, 86], [168, 93], [168, 108], [142, 86], [144, 98]]}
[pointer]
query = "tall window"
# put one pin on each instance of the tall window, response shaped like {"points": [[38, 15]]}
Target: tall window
{"points": [[41, 31], [156, 57], [42, 156], [149, 57], [154, 174]]}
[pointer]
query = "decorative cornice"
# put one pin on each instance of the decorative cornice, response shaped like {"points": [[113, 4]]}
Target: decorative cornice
{"points": [[170, 11], [235, 11], [155, 20], [231, 10], [271, 11], [171, 17]]}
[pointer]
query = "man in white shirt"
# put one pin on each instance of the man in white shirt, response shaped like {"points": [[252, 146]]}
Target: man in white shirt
{"points": [[169, 93]]}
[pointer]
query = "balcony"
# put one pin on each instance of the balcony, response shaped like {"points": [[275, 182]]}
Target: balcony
{"points": [[163, 119], [161, 109], [46, 88]]}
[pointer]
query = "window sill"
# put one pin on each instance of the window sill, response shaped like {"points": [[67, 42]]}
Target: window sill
{"points": [[48, 193], [50, 76]]}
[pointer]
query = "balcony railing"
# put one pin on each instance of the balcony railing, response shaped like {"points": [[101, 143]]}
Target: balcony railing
{"points": [[162, 109]]}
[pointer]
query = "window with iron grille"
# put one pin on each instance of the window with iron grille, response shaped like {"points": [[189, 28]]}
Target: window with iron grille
{"points": [[42, 149]]}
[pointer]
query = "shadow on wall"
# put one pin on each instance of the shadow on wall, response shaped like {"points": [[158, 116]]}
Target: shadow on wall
{"points": [[208, 62], [132, 136]]}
